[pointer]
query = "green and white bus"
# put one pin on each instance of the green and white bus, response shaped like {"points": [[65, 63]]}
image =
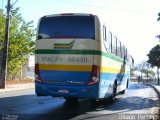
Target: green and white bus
{"points": [[77, 57]]}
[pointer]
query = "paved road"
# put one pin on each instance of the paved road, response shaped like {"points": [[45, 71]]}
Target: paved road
{"points": [[138, 102]]}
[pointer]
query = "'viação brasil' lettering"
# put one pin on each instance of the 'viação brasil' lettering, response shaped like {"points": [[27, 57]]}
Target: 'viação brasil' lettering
{"points": [[60, 59]]}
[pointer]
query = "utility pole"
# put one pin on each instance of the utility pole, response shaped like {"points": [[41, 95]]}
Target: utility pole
{"points": [[158, 75], [5, 48], [158, 19]]}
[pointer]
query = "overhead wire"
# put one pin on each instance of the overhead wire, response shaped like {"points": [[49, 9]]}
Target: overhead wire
{"points": [[106, 7]]}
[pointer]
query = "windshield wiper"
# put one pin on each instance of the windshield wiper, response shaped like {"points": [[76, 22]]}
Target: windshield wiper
{"points": [[42, 36]]}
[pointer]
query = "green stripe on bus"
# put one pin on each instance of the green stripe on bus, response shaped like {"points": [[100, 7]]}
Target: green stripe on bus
{"points": [[81, 52]]}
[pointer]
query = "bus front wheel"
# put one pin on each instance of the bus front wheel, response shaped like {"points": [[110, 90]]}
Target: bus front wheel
{"points": [[123, 91]]}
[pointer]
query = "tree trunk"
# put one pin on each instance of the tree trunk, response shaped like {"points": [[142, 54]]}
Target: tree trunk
{"points": [[147, 76], [158, 75]]}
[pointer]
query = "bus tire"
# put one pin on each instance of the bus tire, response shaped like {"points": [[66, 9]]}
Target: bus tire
{"points": [[71, 100], [127, 83], [111, 99], [123, 91], [94, 101]]}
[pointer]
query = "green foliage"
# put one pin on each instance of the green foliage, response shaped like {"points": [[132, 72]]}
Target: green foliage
{"points": [[151, 73], [2, 28], [21, 43], [148, 72], [144, 68], [154, 56]]}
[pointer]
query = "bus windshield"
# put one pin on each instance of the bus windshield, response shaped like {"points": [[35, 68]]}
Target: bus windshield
{"points": [[67, 27]]}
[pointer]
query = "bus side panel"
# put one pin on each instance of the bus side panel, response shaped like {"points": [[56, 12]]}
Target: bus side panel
{"points": [[123, 78], [111, 71], [106, 78]]}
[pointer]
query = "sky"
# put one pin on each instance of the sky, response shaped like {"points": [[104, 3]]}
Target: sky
{"points": [[134, 22]]}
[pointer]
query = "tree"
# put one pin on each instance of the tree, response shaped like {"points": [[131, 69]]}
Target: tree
{"points": [[158, 19], [143, 67], [154, 58], [21, 42], [2, 28], [151, 73]]}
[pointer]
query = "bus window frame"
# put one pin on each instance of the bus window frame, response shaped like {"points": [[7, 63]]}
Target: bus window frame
{"points": [[114, 45], [119, 49], [110, 41]]}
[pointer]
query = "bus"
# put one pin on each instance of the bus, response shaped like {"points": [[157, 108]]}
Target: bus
{"points": [[77, 57]]}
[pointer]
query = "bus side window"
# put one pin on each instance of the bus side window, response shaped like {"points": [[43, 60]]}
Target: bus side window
{"points": [[114, 45], [110, 41], [123, 51], [126, 54], [104, 33], [119, 49], [105, 39]]}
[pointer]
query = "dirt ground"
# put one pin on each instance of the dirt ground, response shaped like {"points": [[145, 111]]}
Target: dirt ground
{"points": [[21, 81]]}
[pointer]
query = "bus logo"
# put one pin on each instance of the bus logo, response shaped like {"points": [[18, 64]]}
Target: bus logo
{"points": [[64, 45]]}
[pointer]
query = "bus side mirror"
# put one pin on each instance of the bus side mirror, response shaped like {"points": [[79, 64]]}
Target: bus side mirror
{"points": [[132, 60]]}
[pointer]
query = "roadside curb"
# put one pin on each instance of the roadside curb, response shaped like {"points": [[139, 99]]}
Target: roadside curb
{"points": [[157, 111], [158, 92]]}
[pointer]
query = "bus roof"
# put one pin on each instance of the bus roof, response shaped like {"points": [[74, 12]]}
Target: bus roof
{"points": [[69, 14]]}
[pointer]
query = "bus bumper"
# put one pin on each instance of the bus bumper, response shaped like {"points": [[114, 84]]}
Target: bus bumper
{"points": [[81, 92]]}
